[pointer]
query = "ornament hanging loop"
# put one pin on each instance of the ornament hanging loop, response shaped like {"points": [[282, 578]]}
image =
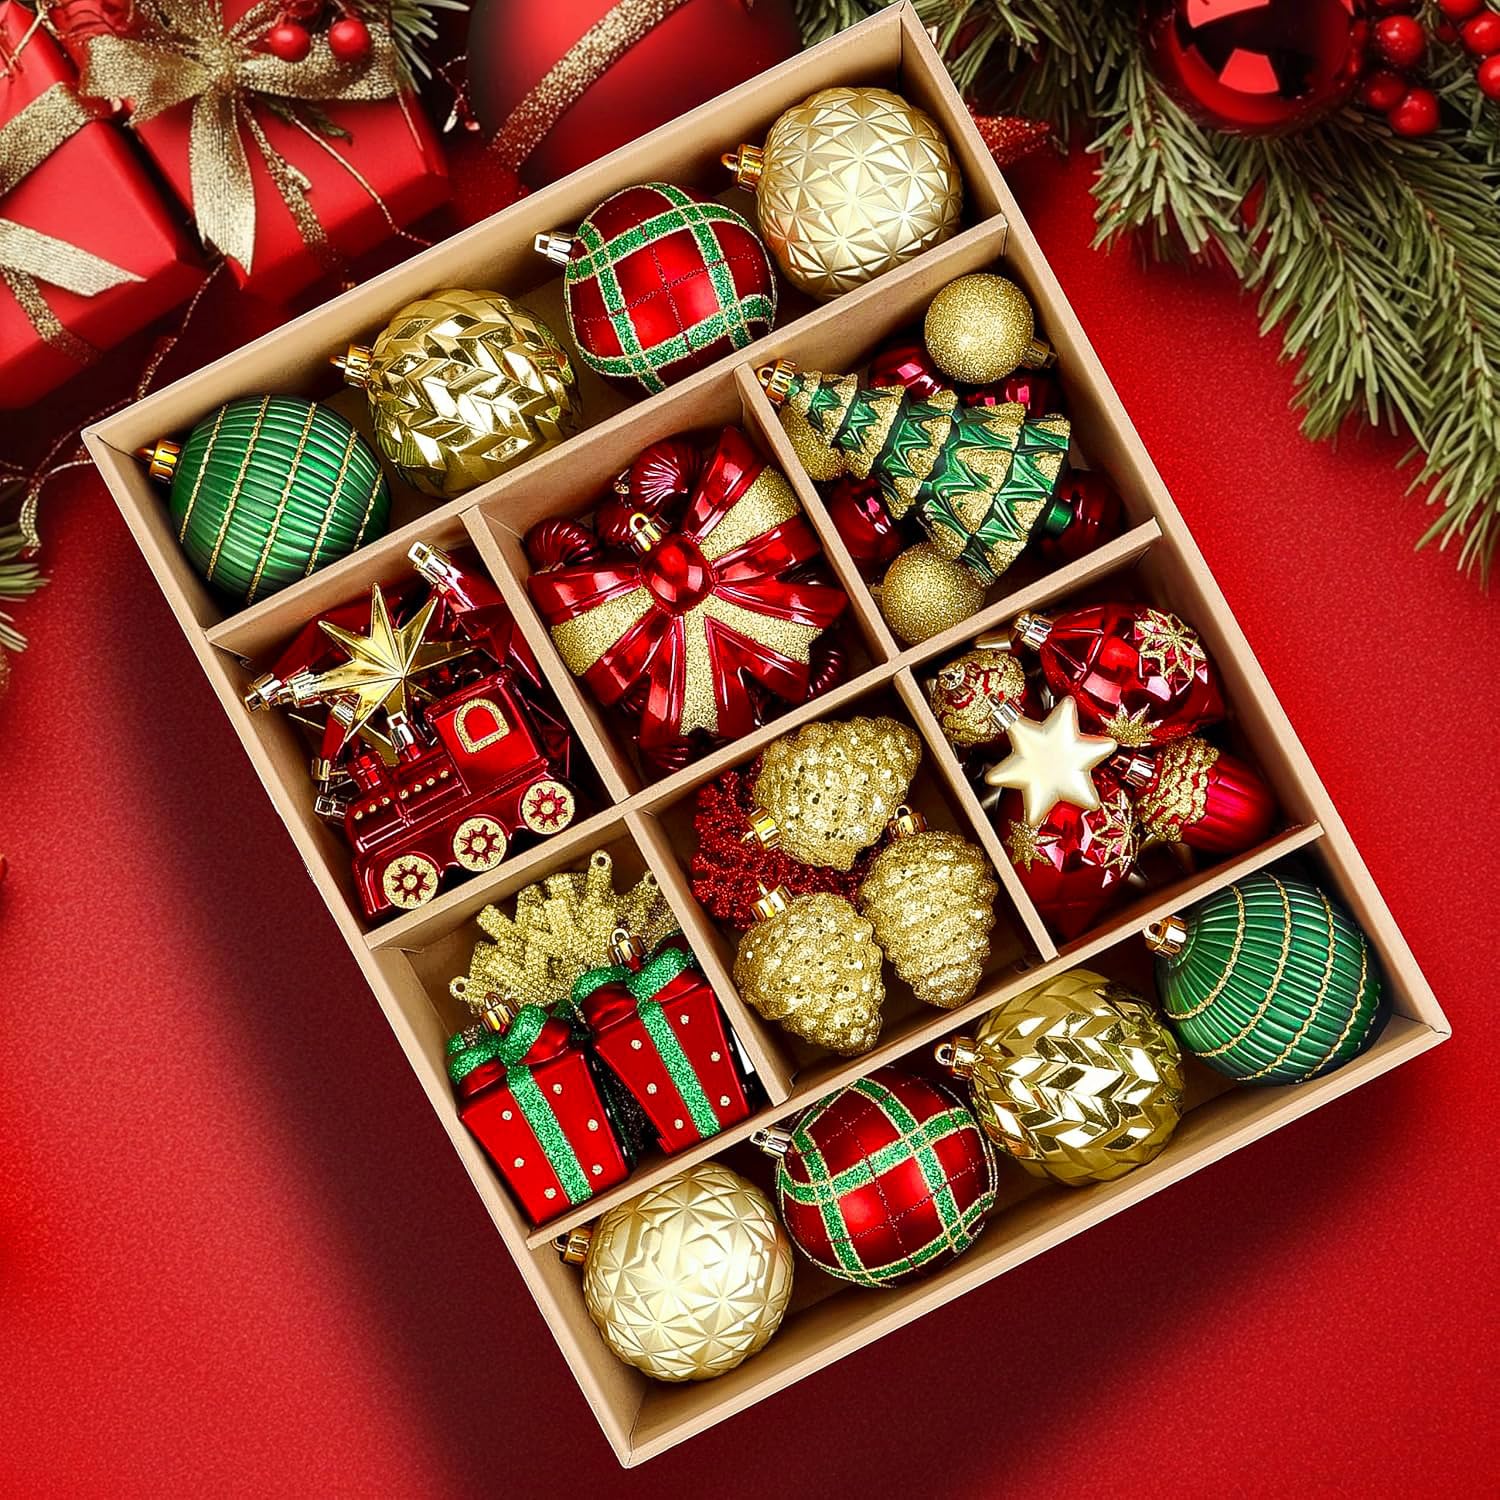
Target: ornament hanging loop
{"points": [[356, 362], [776, 378], [558, 248], [574, 1246], [774, 1141], [958, 1055]]}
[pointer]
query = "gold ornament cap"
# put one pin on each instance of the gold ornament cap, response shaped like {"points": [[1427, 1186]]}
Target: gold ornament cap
{"points": [[625, 946], [907, 822], [644, 532], [358, 364], [764, 829], [574, 1246], [1167, 937], [556, 246], [161, 458], [496, 1012], [770, 902], [777, 378], [748, 165], [959, 1055], [773, 1140], [267, 691]]}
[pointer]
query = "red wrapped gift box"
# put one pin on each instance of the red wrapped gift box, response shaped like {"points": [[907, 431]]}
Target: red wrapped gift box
{"points": [[90, 192], [202, 81], [530, 1100], [659, 1029]]}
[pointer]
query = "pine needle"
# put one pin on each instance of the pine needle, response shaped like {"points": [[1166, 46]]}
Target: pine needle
{"points": [[18, 580], [412, 29]]}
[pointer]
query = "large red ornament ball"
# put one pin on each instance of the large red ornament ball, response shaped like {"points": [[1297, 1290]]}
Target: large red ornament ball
{"points": [[886, 1180], [661, 282], [641, 67], [1257, 66]]}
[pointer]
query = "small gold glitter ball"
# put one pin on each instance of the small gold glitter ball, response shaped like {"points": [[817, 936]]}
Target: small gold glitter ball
{"points": [[924, 593], [692, 1277], [462, 386], [980, 328], [812, 964], [1078, 1079], [822, 462]]}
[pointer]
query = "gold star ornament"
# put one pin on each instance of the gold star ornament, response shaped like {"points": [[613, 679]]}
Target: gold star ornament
{"points": [[1051, 762]]}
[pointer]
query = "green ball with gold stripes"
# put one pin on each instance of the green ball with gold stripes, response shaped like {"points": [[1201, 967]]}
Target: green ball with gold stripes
{"points": [[268, 489], [1269, 981]]}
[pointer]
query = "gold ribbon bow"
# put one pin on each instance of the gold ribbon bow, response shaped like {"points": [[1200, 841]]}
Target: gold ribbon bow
{"points": [[184, 52], [27, 255]]}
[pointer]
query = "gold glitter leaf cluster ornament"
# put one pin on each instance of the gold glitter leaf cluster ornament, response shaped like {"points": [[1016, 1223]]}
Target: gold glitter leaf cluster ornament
{"points": [[561, 929], [850, 183], [689, 1279], [931, 900], [812, 964], [1078, 1078], [462, 386], [826, 792]]}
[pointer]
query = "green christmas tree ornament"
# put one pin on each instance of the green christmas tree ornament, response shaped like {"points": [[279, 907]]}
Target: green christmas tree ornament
{"points": [[268, 489], [1269, 981], [980, 479]]}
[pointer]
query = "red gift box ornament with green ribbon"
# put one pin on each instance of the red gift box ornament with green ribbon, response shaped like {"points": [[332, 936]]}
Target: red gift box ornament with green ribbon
{"points": [[525, 1091], [658, 1027]]}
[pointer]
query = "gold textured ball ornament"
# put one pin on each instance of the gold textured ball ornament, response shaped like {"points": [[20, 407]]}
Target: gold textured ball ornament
{"points": [[1078, 1078], [848, 184], [462, 386], [925, 593], [690, 1278], [811, 963], [980, 328], [826, 792], [931, 900]]}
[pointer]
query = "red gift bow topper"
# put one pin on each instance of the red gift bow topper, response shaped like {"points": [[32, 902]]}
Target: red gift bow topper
{"points": [[708, 597]]}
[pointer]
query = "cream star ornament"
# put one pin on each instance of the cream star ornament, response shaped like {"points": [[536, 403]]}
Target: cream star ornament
{"points": [[382, 666], [1050, 761]]}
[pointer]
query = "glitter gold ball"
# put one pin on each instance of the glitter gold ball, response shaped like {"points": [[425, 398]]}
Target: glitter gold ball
{"points": [[979, 328], [852, 182], [692, 1277], [821, 462], [463, 385], [925, 593], [813, 966], [1078, 1079]]}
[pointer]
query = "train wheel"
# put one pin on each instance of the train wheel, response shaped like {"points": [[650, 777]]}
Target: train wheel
{"points": [[479, 843], [547, 806], [409, 881]]}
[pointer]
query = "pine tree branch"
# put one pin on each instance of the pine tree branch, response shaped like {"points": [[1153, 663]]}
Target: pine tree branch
{"points": [[18, 580]]}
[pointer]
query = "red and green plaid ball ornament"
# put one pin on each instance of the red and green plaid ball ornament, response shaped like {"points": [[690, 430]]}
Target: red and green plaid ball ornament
{"points": [[661, 282], [884, 1181]]}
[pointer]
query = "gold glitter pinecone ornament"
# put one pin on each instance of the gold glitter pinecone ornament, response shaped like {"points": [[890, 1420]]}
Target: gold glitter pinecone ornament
{"points": [[1078, 1079], [848, 184], [462, 386], [811, 963], [967, 691], [826, 792], [980, 328], [925, 593], [931, 900], [689, 1279]]}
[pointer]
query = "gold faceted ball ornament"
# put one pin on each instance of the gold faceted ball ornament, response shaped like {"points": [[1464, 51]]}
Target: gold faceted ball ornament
{"points": [[980, 328], [689, 1279], [925, 593], [825, 793], [821, 463], [462, 386], [931, 900], [1078, 1078], [848, 184], [811, 963]]}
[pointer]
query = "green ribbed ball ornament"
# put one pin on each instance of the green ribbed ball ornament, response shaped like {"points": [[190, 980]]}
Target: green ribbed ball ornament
{"points": [[269, 489], [1269, 981]]}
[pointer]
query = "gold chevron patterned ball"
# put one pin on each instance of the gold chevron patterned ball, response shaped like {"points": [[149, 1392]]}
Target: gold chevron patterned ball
{"points": [[463, 385], [692, 1277], [854, 181], [1078, 1079]]}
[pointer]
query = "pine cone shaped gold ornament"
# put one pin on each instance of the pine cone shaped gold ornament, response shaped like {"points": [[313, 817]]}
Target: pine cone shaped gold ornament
{"points": [[462, 386], [1078, 1079], [811, 963], [826, 792], [931, 900]]}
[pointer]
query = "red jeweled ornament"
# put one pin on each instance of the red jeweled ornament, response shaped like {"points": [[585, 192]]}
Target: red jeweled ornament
{"points": [[1257, 66], [1094, 516], [1137, 673], [1074, 863], [349, 39], [889, 1179], [861, 519], [679, 631], [1190, 792]]}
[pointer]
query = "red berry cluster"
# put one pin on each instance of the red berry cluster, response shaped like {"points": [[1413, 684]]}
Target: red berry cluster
{"points": [[290, 38], [1399, 42]]}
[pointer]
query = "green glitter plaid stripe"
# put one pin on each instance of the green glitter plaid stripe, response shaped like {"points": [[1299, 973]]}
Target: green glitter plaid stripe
{"points": [[679, 346], [548, 1130]]}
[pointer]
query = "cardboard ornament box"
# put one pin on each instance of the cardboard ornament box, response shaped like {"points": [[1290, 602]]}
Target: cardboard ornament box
{"points": [[647, 823]]}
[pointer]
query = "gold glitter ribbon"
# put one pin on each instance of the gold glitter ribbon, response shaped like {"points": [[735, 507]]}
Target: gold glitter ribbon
{"points": [[185, 53], [27, 255], [582, 66]]}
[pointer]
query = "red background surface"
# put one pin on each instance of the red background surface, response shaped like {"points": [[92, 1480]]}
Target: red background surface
{"points": [[238, 1257]]}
